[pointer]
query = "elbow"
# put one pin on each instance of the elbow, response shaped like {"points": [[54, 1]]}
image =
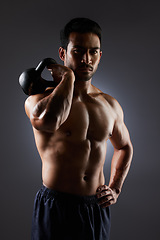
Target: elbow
{"points": [[44, 123], [130, 147], [127, 148]]}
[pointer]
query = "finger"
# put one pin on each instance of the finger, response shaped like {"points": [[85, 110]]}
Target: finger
{"points": [[105, 200], [102, 187], [51, 66], [107, 204], [104, 193]]}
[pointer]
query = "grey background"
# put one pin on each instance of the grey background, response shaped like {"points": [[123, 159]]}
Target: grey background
{"points": [[129, 71]]}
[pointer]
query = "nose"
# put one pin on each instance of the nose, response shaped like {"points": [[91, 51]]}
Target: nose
{"points": [[86, 58]]}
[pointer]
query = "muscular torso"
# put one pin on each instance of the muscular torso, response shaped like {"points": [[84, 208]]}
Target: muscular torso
{"points": [[74, 155]]}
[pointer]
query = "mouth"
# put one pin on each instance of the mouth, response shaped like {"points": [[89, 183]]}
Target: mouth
{"points": [[86, 68]]}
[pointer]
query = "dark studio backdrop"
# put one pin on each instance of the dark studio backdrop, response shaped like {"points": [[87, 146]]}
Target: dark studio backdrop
{"points": [[129, 71]]}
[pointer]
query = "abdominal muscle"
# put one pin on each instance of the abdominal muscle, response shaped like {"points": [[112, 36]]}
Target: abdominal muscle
{"points": [[74, 167]]}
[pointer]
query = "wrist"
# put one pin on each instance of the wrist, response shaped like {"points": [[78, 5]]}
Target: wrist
{"points": [[69, 74], [115, 189], [69, 78]]}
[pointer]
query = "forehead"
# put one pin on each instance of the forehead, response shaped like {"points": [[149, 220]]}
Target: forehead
{"points": [[85, 40]]}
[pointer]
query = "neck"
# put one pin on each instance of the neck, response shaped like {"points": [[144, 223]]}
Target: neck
{"points": [[82, 87]]}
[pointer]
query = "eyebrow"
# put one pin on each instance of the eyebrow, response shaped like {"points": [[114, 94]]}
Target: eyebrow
{"points": [[78, 46]]}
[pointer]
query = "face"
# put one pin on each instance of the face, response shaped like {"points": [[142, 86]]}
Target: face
{"points": [[82, 55]]}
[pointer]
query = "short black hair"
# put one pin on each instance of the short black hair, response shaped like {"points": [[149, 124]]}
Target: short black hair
{"points": [[80, 25]]}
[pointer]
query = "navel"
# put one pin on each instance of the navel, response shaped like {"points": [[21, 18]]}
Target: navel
{"points": [[85, 178]]}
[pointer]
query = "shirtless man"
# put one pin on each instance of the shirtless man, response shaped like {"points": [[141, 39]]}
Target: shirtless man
{"points": [[72, 123]]}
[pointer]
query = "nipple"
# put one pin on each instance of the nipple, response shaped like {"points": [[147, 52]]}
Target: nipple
{"points": [[68, 133], [110, 134]]}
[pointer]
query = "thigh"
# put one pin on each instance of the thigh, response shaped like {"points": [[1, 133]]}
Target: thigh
{"points": [[47, 219]]}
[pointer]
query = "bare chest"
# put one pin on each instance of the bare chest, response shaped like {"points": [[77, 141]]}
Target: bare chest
{"points": [[91, 120]]}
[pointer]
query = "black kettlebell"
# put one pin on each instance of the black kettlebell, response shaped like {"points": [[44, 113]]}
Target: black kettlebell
{"points": [[31, 81]]}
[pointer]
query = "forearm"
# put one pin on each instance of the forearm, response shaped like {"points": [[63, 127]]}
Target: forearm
{"points": [[120, 165], [54, 109]]}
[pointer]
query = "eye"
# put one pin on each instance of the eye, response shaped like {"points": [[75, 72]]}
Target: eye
{"points": [[76, 50], [94, 52]]}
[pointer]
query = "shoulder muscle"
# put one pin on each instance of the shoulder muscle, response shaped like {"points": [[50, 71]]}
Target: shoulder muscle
{"points": [[115, 106]]}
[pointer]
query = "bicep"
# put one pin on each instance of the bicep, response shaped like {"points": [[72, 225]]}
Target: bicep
{"points": [[32, 103], [120, 135], [32, 110], [35, 107]]}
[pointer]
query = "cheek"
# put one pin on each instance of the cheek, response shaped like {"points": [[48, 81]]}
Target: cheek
{"points": [[96, 62], [68, 60], [70, 63], [73, 61]]}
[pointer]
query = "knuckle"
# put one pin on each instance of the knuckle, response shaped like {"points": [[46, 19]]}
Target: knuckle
{"points": [[100, 188], [103, 193], [106, 204]]}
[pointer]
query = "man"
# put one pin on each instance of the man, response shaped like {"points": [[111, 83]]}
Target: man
{"points": [[72, 123]]}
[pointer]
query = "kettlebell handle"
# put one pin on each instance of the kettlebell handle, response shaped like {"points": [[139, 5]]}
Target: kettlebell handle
{"points": [[31, 81]]}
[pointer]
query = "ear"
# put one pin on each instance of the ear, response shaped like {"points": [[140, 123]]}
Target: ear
{"points": [[100, 55], [62, 53]]}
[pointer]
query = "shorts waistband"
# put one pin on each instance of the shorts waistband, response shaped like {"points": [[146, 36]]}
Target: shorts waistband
{"points": [[63, 196]]}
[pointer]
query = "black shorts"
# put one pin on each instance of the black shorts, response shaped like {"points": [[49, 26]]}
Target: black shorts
{"points": [[63, 216]]}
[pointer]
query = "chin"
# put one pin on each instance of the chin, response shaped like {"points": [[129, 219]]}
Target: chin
{"points": [[83, 77]]}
